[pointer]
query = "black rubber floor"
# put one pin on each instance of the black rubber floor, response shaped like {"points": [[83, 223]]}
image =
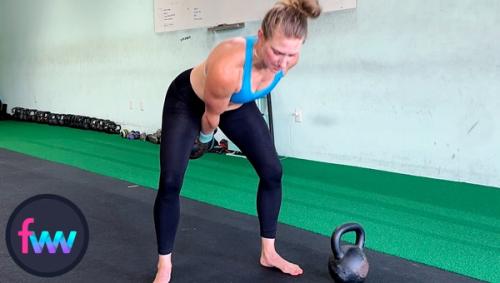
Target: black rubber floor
{"points": [[213, 244]]}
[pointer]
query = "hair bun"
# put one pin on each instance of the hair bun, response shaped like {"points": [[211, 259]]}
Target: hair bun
{"points": [[310, 8]]}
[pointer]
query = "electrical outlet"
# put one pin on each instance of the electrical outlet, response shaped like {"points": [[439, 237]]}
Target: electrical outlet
{"points": [[298, 115]]}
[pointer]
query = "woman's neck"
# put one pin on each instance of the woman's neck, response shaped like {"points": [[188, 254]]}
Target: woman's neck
{"points": [[257, 58]]}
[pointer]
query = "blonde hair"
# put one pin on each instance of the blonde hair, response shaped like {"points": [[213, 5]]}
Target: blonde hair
{"points": [[290, 16]]}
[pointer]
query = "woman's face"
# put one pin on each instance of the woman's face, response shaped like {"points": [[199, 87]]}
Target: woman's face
{"points": [[280, 52]]}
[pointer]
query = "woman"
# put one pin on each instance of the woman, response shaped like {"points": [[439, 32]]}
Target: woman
{"points": [[220, 92]]}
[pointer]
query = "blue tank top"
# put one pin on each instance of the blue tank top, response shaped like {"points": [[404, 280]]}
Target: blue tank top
{"points": [[245, 94]]}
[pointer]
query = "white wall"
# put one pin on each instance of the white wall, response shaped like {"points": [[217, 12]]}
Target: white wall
{"points": [[405, 86]]}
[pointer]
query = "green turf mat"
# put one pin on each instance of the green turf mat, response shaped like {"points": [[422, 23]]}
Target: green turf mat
{"points": [[454, 226]]}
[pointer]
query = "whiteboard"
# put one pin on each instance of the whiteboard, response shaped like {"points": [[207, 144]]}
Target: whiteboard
{"points": [[171, 15]]}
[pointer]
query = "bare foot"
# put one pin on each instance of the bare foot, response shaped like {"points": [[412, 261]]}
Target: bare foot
{"points": [[270, 258], [164, 269]]}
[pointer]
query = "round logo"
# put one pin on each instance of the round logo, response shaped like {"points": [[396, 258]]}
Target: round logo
{"points": [[47, 235]]}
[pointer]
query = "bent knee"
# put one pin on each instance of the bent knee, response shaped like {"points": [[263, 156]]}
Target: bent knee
{"points": [[170, 183], [272, 173]]}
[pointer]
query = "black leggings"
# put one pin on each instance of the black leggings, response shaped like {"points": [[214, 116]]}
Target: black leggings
{"points": [[244, 126]]}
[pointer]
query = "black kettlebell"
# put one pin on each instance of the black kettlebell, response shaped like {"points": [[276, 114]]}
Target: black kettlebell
{"points": [[348, 262]]}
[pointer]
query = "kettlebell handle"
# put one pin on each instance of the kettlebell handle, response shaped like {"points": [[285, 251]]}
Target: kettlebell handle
{"points": [[345, 228]]}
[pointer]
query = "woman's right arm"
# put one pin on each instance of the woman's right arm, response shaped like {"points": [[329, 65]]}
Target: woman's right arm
{"points": [[221, 82]]}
